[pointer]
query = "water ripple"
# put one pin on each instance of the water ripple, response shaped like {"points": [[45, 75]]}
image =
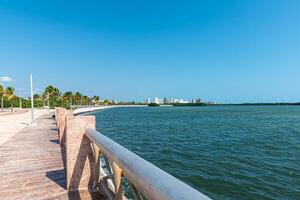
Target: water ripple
{"points": [[236, 152]]}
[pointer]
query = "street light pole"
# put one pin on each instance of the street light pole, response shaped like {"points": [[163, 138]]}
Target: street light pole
{"points": [[31, 94]]}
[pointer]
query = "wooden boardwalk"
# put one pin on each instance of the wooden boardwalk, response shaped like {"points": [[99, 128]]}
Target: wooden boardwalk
{"points": [[32, 165]]}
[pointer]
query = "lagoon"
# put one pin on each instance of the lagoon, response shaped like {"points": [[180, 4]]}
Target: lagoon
{"points": [[226, 152]]}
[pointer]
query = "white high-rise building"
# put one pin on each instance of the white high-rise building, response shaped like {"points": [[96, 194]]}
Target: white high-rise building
{"points": [[156, 100], [183, 101]]}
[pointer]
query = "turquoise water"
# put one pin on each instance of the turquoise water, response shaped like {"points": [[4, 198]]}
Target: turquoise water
{"points": [[226, 152]]}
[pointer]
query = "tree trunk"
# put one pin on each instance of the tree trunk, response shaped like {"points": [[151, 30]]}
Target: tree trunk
{"points": [[2, 103]]}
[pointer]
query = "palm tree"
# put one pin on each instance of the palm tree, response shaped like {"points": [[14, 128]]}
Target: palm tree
{"points": [[38, 98], [68, 96], [85, 100], [77, 97], [96, 99], [9, 93], [2, 96], [51, 92]]}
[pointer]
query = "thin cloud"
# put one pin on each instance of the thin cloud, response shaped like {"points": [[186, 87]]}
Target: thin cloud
{"points": [[6, 79]]}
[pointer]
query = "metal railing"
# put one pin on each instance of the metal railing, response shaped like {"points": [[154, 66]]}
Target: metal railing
{"points": [[145, 179]]}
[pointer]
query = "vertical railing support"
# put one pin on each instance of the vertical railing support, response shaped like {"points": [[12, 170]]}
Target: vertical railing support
{"points": [[79, 155], [117, 172], [64, 114], [60, 119], [96, 151], [55, 115], [58, 112]]}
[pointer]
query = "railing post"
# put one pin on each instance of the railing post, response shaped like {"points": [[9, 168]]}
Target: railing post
{"points": [[96, 151], [58, 116], [79, 155], [117, 172], [64, 114]]}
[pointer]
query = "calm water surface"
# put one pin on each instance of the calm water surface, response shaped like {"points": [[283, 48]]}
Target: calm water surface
{"points": [[226, 152]]}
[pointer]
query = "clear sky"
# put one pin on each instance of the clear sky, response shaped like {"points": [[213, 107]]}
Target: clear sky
{"points": [[224, 51]]}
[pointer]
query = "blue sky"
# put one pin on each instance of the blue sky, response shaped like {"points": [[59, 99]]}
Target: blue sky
{"points": [[224, 51]]}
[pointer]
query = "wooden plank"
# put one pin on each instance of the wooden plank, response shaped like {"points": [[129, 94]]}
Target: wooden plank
{"points": [[32, 165]]}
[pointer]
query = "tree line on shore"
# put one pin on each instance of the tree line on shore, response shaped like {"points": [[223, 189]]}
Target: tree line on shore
{"points": [[51, 97]]}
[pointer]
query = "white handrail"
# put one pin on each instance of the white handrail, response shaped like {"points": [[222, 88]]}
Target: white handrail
{"points": [[153, 182]]}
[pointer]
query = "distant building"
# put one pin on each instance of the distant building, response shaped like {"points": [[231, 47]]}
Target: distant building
{"points": [[183, 101], [165, 100], [196, 101], [147, 101], [176, 100], [156, 100]]}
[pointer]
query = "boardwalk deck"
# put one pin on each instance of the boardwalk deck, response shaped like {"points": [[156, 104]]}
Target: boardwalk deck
{"points": [[32, 165]]}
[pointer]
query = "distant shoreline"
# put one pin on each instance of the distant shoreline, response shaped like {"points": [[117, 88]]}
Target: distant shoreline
{"points": [[237, 104], [262, 104], [84, 110]]}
